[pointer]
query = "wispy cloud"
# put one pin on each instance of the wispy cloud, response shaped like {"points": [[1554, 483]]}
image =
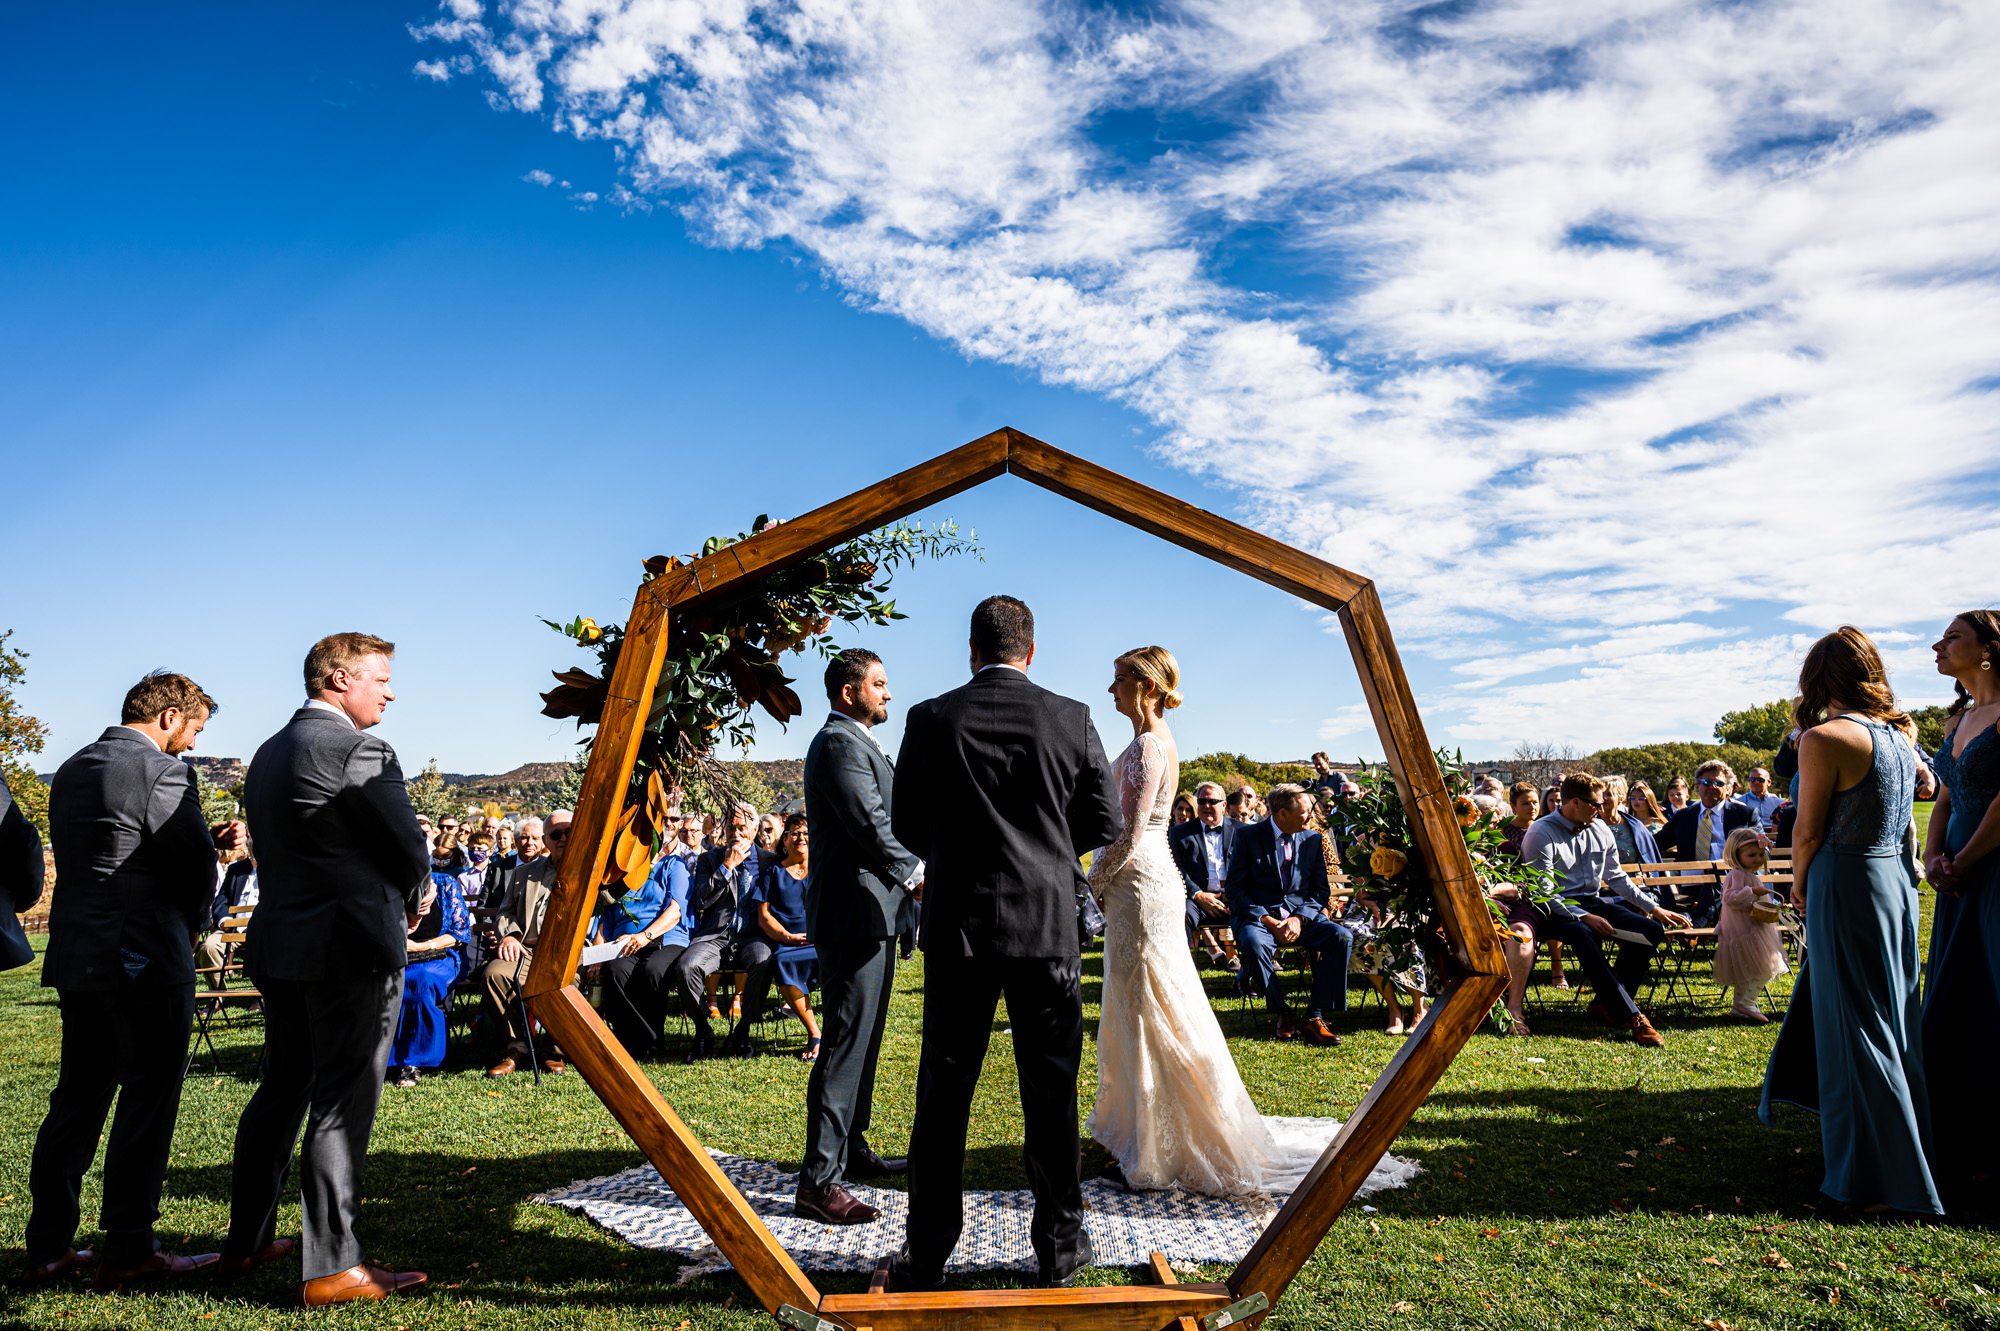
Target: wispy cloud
{"points": [[1623, 344]]}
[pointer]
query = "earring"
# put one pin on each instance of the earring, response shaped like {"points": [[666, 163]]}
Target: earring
{"points": [[1985, 665]]}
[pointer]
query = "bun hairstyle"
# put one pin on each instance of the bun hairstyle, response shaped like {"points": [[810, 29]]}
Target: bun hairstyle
{"points": [[1157, 667]]}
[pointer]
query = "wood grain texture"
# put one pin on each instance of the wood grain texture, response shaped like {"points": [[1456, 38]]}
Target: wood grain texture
{"points": [[1208, 534], [1089, 1308], [702, 1187], [1156, 1262], [842, 520], [1287, 1243], [1440, 842], [594, 822]]}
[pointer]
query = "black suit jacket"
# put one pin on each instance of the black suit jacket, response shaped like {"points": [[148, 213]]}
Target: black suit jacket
{"points": [[340, 858], [1190, 849], [858, 866], [135, 867], [1677, 838], [715, 894], [1255, 887], [1000, 786], [21, 868]]}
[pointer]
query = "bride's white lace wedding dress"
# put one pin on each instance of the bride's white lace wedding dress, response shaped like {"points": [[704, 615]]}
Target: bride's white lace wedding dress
{"points": [[1171, 1107]]}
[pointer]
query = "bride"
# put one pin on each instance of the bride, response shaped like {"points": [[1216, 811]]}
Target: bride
{"points": [[1171, 1108]]}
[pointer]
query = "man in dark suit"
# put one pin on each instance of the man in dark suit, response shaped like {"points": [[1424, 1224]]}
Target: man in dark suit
{"points": [[1201, 848], [341, 866], [1278, 896], [1001, 786], [21, 875], [723, 877], [857, 904], [1698, 832], [137, 868]]}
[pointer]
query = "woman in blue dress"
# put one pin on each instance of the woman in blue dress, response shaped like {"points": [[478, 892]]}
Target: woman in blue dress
{"points": [[778, 912], [435, 961], [1852, 1044], [1962, 989]]}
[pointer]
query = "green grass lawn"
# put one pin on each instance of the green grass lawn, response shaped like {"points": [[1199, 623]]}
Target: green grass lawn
{"points": [[1569, 1180]]}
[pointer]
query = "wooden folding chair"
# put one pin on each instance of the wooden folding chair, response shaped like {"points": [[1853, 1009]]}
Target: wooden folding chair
{"points": [[221, 990]]}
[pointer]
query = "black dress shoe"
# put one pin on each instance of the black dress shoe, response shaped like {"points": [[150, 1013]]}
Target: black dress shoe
{"points": [[700, 1049], [1114, 1174], [831, 1206], [863, 1162], [1058, 1277], [905, 1278]]}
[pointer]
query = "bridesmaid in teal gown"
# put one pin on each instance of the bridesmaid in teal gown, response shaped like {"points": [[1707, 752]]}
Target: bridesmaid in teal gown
{"points": [[1852, 1043], [1962, 989]]}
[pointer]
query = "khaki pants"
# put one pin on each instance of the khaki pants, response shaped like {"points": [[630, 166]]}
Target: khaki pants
{"points": [[208, 953], [503, 999]]}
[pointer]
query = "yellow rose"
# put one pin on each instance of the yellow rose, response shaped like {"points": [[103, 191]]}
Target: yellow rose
{"points": [[588, 631], [1387, 861]]}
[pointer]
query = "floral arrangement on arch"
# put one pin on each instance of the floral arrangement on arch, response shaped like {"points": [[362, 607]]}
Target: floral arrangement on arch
{"points": [[1379, 855], [723, 665]]}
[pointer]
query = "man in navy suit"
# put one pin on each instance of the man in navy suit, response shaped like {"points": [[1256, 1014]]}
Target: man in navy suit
{"points": [[1201, 849], [1698, 831], [1278, 892]]}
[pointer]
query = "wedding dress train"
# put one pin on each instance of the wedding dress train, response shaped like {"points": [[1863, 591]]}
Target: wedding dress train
{"points": [[1171, 1107]]}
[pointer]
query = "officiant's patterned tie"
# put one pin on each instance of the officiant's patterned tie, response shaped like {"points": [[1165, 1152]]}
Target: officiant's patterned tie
{"points": [[1705, 836]]}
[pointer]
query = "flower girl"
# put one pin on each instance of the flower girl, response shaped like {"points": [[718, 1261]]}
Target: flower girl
{"points": [[1748, 951]]}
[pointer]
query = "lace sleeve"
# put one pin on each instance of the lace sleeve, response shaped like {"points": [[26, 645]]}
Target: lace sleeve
{"points": [[1141, 770]]}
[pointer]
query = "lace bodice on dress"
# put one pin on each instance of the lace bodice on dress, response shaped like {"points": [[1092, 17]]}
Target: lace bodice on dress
{"points": [[1145, 798], [1972, 777], [1874, 815]]}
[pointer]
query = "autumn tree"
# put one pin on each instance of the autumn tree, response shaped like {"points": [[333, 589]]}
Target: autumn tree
{"points": [[21, 738]]}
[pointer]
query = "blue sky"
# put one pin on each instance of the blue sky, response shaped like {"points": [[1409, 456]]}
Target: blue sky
{"points": [[1623, 372]]}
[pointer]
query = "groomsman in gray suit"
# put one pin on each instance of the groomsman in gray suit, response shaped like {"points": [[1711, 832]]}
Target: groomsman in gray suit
{"points": [[857, 904], [341, 865], [136, 866]]}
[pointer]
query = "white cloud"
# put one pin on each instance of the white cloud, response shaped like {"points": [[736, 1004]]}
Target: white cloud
{"points": [[1647, 329], [539, 177]]}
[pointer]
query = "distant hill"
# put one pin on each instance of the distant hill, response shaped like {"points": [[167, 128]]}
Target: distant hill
{"points": [[519, 778]]}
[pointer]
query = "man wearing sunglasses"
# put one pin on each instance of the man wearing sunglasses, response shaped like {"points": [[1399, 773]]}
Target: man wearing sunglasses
{"points": [[1698, 831], [1201, 849]]}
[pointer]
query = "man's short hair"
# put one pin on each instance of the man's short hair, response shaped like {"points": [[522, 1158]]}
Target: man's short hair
{"points": [[1215, 786], [341, 651], [521, 828], [747, 808], [1756, 772], [1716, 765], [1286, 796], [1234, 798], [1003, 629], [163, 689], [1321, 757], [849, 667], [1580, 786]]}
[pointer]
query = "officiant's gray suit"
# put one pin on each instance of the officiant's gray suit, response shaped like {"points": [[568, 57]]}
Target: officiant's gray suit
{"points": [[340, 863], [856, 906]]}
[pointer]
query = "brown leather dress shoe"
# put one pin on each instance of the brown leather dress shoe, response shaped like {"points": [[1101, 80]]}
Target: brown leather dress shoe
{"points": [[554, 1067], [150, 1267], [49, 1272], [1318, 1032], [1643, 1032], [1287, 1029], [234, 1265], [358, 1283], [835, 1206], [502, 1068]]}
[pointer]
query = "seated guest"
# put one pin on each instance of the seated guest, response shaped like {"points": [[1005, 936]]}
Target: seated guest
{"points": [[1277, 890], [1677, 795], [238, 889], [722, 878], [500, 870], [1183, 810], [478, 859], [433, 966], [1762, 800], [1201, 851], [769, 828], [1578, 852], [1642, 804], [503, 841], [1551, 800], [1526, 802], [1242, 805], [1363, 916], [1635, 841], [1698, 832], [652, 927], [686, 838], [778, 904], [516, 931]]}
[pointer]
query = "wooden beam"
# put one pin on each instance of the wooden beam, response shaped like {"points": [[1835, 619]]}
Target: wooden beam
{"points": [[689, 1170], [829, 525], [573, 895], [1170, 519], [1288, 1242], [1440, 842], [1089, 1308]]}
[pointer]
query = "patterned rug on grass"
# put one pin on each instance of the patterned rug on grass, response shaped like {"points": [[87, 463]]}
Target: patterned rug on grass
{"points": [[1125, 1227]]}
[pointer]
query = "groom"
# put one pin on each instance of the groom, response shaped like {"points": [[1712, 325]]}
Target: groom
{"points": [[1000, 786]]}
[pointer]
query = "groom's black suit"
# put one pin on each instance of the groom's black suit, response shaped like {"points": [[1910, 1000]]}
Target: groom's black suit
{"points": [[1000, 786]]}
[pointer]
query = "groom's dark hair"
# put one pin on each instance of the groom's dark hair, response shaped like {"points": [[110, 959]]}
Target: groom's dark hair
{"points": [[1003, 629], [850, 667]]}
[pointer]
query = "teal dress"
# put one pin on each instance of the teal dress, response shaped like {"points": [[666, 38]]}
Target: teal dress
{"points": [[1852, 1043], [1962, 988]]}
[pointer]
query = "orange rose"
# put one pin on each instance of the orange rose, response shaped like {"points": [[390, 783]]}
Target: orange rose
{"points": [[1467, 811]]}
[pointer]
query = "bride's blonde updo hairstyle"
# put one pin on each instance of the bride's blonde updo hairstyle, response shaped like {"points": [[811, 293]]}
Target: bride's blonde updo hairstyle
{"points": [[1156, 665]]}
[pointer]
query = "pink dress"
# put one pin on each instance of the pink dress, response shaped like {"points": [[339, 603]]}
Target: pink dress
{"points": [[1748, 954]]}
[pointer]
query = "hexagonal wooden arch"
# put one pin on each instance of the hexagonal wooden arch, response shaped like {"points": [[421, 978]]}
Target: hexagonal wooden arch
{"points": [[1297, 1229]]}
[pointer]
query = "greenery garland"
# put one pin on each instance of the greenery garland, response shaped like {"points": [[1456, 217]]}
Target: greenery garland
{"points": [[723, 665]]}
